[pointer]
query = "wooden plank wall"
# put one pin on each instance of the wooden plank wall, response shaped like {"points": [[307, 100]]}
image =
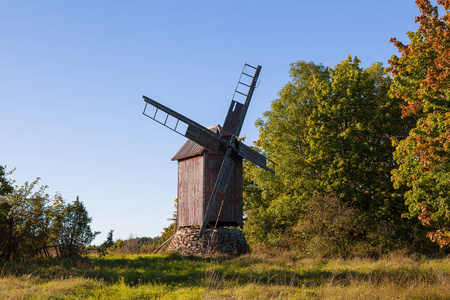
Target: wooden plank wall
{"points": [[232, 211], [196, 179], [190, 192]]}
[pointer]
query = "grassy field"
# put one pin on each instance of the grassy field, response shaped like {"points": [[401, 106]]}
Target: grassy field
{"points": [[254, 276]]}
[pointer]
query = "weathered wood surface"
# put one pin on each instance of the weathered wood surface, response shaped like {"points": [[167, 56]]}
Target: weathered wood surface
{"points": [[196, 180], [190, 192], [231, 213]]}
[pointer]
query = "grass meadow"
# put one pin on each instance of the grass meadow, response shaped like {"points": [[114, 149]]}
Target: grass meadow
{"points": [[252, 276]]}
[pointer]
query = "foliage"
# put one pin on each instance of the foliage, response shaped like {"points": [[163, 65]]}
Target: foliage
{"points": [[74, 231], [170, 230], [327, 226], [167, 232], [273, 204], [32, 223], [329, 133], [5, 188], [422, 80], [255, 276], [148, 245], [26, 220], [135, 245], [103, 248], [5, 185]]}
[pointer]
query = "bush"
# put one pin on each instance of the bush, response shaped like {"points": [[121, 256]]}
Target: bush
{"points": [[328, 226]]}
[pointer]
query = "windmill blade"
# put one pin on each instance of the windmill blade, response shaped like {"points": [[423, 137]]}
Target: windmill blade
{"points": [[195, 132], [222, 181], [253, 156], [244, 89]]}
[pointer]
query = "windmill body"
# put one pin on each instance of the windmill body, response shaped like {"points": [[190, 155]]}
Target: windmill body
{"points": [[198, 169], [210, 162]]}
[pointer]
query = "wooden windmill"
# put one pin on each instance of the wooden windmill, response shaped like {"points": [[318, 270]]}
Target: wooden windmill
{"points": [[210, 162]]}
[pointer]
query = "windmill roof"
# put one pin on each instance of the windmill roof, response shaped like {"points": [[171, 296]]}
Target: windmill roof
{"points": [[190, 148]]}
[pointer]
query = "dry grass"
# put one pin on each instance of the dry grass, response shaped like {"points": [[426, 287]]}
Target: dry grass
{"points": [[28, 286], [254, 276]]}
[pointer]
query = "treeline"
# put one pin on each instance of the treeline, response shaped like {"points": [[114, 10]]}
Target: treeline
{"points": [[362, 154], [132, 245], [34, 224]]}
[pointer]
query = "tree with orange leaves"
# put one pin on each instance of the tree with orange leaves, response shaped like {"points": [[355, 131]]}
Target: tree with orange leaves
{"points": [[421, 78]]}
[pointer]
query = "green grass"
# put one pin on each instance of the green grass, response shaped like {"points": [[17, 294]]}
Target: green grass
{"points": [[254, 276]]}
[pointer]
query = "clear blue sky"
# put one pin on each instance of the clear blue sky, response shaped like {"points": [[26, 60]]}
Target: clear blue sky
{"points": [[72, 77]]}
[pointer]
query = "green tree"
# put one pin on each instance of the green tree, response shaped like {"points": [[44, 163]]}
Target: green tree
{"points": [[25, 215], [349, 138], [5, 184], [5, 189], [422, 80], [329, 133], [30, 224], [103, 248], [272, 204], [72, 228]]}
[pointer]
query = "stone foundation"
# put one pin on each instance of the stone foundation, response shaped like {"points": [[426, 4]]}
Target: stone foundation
{"points": [[214, 241]]}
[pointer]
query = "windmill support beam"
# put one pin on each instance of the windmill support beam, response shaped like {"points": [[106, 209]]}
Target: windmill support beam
{"points": [[221, 186]]}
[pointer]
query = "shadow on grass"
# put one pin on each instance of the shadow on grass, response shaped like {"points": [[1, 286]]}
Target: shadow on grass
{"points": [[165, 269], [190, 271]]}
